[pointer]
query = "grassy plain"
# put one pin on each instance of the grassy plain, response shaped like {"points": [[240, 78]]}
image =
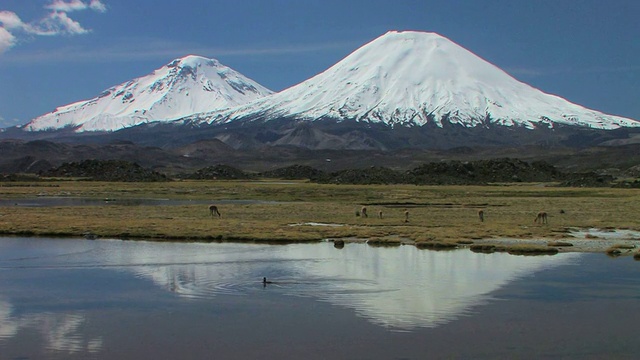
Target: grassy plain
{"points": [[296, 211]]}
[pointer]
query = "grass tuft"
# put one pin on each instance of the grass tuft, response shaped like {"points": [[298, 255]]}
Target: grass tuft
{"points": [[613, 252], [480, 248], [515, 249], [559, 243], [619, 249], [623, 246], [464, 242], [379, 242], [437, 245]]}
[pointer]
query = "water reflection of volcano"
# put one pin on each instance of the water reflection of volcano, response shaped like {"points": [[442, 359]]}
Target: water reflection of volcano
{"points": [[407, 288], [401, 288], [61, 332]]}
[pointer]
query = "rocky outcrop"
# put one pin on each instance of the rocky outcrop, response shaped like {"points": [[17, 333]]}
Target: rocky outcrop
{"points": [[105, 170], [294, 172], [219, 172]]}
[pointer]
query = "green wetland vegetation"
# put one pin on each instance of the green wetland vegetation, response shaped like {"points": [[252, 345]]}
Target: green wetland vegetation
{"points": [[439, 217]]}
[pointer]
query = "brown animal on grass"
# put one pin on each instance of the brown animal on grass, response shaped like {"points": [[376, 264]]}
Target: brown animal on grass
{"points": [[541, 218], [380, 214], [481, 215], [363, 211], [213, 210], [406, 216]]}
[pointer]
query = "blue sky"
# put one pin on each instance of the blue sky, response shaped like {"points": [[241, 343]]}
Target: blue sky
{"points": [[55, 52]]}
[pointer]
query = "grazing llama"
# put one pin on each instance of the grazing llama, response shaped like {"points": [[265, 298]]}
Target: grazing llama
{"points": [[541, 218], [213, 210]]}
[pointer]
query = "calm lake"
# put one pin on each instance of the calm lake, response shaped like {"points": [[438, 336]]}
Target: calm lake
{"points": [[112, 299]]}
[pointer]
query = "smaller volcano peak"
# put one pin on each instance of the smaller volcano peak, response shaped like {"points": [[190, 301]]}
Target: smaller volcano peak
{"points": [[193, 61], [185, 86]]}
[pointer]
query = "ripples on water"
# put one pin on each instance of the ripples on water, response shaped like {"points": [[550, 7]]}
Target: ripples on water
{"points": [[60, 332], [399, 288]]}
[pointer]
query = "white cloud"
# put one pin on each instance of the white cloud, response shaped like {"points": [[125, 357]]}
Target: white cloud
{"points": [[57, 22], [10, 20], [7, 40], [64, 6], [97, 5], [76, 5]]}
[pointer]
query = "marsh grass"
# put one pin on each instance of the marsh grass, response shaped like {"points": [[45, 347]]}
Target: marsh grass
{"points": [[515, 249], [527, 249], [613, 252], [623, 246], [437, 245], [619, 249], [441, 214], [559, 243], [381, 242]]}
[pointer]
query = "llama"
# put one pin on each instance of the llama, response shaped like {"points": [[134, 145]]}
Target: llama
{"points": [[481, 215], [541, 218], [213, 210]]}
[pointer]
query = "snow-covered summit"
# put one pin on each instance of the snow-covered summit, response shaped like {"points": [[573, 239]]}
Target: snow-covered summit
{"points": [[185, 86], [411, 78]]}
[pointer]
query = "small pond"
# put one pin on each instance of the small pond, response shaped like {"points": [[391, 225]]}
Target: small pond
{"points": [[112, 299]]}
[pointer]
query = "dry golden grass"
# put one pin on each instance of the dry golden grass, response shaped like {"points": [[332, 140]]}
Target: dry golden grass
{"points": [[446, 214]]}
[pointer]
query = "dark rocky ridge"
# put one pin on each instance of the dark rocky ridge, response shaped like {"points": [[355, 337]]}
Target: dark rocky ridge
{"points": [[294, 172], [21, 156], [481, 172], [106, 170], [218, 172]]}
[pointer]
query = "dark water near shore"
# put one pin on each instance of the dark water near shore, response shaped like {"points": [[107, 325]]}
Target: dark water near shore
{"points": [[48, 201], [111, 299]]}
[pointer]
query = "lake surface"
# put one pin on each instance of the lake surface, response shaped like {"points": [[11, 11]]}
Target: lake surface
{"points": [[112, 299]]}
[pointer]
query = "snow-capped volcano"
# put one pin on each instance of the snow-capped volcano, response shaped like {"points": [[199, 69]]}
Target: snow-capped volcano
{"points": [[413, 78], [185, 86]]}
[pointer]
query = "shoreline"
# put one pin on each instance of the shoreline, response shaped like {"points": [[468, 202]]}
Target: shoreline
{"points": [[577, 245], [626, 245], [609, 241]]}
